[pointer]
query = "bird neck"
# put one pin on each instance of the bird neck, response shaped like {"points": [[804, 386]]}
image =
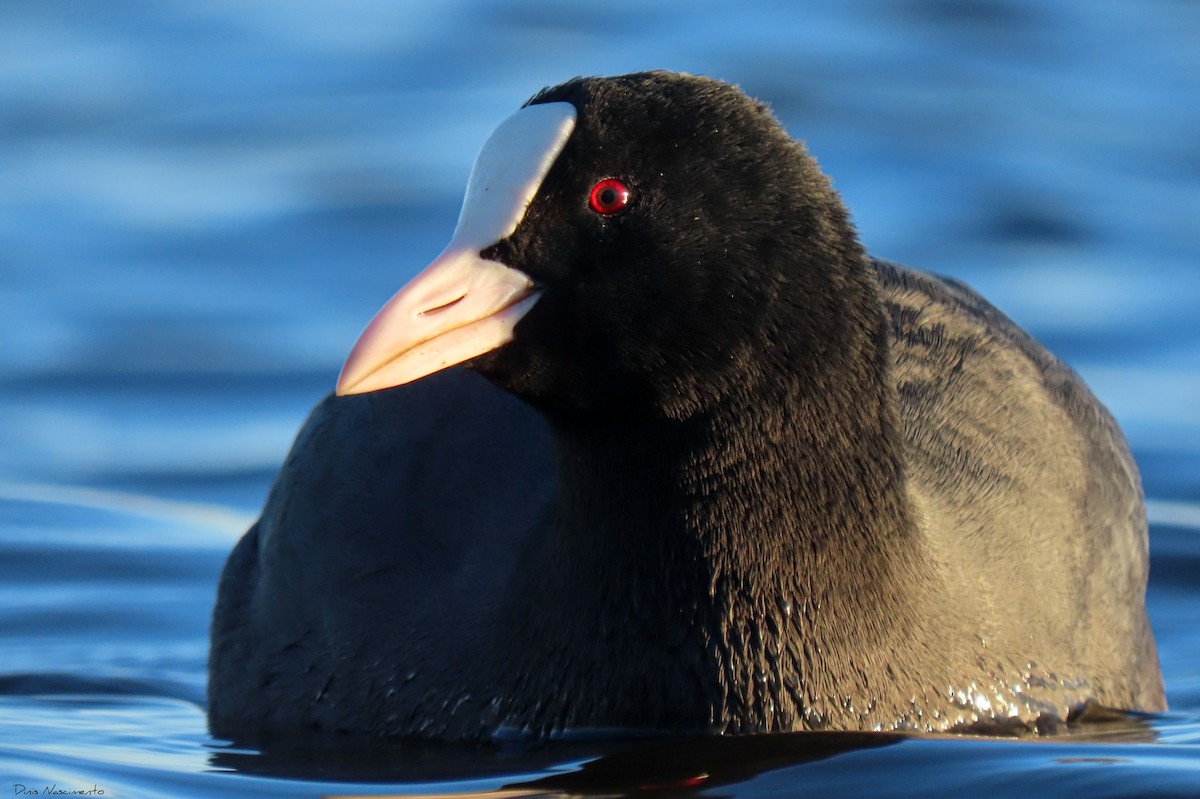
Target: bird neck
{"points": [[778, 491], [763, 543]]}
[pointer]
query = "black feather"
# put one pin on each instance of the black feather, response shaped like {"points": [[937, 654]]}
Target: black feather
{"points": [[755, 481]]}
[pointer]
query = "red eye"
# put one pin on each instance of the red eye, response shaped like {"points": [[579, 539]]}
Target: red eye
{"points": [[609, 197]]}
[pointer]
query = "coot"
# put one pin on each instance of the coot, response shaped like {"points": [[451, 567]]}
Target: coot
{"points": [[706, 467]]}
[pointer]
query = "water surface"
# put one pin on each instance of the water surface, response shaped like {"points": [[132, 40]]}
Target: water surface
{"points": [[202, 204]]}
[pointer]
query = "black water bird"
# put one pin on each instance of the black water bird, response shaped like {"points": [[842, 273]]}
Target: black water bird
{"points": [[709, 467]]}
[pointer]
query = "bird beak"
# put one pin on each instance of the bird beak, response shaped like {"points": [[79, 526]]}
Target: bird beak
{"points": [[463, 305]]}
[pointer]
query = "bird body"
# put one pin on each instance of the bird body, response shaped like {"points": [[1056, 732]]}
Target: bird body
{"points": [[711, 468]]}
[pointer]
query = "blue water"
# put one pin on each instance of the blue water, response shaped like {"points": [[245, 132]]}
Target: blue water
{"points": [[202, 203]]}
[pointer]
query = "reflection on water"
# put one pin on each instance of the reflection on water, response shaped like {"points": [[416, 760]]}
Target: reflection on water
{"points": [[201, 204]]}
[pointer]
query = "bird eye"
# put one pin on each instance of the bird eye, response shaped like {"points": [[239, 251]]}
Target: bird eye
{"points": [[608, 197]]}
